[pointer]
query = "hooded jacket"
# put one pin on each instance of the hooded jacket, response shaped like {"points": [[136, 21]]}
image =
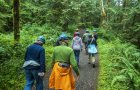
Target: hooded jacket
{"points": [[77, 43]]}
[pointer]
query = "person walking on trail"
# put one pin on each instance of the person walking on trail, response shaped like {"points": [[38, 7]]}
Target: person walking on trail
{"points": [[34, 64], [77, 30], [85, 39], [63, 60], [92, 49], [95, 35], [63, 34], [77, 46]]}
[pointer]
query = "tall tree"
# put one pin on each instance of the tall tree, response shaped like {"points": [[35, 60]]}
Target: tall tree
{"points": [[103, 13], [16, 5]]}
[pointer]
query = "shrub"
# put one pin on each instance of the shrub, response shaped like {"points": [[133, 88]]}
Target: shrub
{"points": [[119, 64]]}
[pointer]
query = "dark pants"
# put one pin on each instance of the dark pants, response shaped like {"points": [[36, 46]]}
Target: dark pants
{"points": [[91, 54], [86, 47], [31, 76], [77, 54]]}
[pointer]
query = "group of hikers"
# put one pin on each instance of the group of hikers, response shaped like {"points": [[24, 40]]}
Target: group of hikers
{"points": [[64, 59]]}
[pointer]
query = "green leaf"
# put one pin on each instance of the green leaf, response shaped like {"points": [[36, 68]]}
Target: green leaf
{"points": [[118, 78]]}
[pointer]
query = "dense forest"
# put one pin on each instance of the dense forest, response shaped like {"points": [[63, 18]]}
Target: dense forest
{"points": [[117, 23]]}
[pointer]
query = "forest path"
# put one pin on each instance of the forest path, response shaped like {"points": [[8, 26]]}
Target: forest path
{"points": [[88, 75]]}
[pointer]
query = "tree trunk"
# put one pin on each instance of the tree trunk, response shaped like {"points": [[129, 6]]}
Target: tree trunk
{"points": [[108, 2], [103, 14], [102, 9], [16, 5], [108, 15]]}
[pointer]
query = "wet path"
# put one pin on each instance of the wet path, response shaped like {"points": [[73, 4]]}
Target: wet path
{"points": [[88, 74]]}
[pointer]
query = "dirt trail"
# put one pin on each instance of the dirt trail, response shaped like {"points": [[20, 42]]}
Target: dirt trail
{"points": [[88, 74]]}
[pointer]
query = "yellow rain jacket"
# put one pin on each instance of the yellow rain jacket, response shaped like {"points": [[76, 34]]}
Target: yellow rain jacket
{"points": [[62, 78]]}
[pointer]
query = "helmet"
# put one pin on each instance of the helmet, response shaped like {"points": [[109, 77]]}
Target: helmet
{"points": [[42, 39], [77, 33], [63, 36], [77, 29]]}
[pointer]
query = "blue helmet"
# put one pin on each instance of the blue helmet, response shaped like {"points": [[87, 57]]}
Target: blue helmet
{"points": [[42, 39], [63, 36]]}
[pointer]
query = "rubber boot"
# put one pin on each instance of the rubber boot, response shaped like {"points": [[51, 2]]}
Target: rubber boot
{"points": [[93, 61], [89, 60]]}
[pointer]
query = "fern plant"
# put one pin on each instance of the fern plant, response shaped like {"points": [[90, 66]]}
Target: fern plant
{"points": [[128, 72]]}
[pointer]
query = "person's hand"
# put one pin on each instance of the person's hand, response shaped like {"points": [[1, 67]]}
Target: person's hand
{"points": [[41, 74], [77, 78]]}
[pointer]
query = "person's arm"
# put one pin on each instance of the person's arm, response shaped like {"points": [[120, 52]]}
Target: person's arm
{"points": [[96, 36], [74, 63], [53, 59], [88, 42], [81, 44], [83, 37], [25, 54], [74, 34], [72, 43], [42, 61]]}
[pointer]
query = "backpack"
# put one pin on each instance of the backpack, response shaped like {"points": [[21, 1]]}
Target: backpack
{"points": [[86, 37], [76, 43]]}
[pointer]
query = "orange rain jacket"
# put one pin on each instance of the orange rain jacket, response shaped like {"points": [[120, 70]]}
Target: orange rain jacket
{"points": [[62, 78]]}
